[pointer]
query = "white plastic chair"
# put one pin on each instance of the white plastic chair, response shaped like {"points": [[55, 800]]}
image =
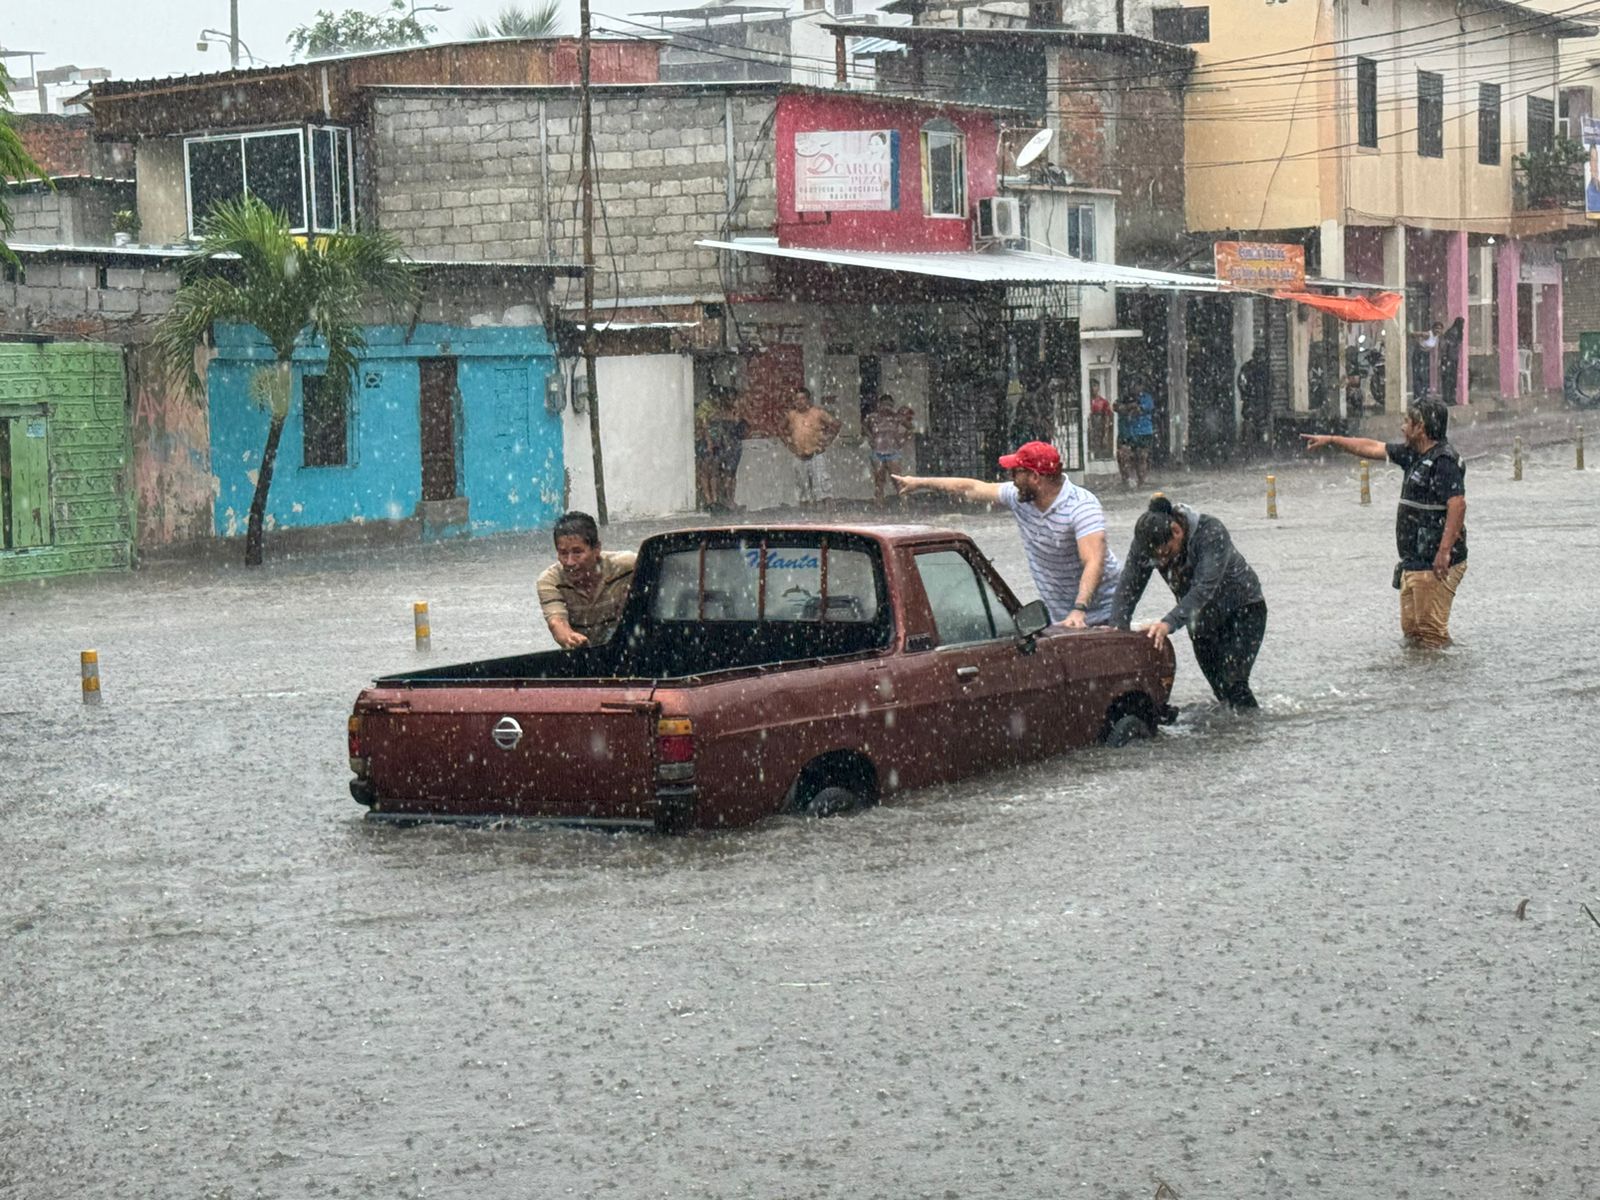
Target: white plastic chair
{"points": [[1524, 371]]}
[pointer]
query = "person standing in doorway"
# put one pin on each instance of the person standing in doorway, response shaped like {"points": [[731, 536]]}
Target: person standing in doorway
{"points": [[888, 429], [1219, 596], [1062, 526], [1136, 434], [724, 446], [1431, 526], [1427, 341], [582, 593], [1450, 360], [807, 432], [1102, 419], [1255, 381]]}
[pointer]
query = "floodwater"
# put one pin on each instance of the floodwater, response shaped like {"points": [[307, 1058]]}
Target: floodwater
{"points": [[1257, 957]]}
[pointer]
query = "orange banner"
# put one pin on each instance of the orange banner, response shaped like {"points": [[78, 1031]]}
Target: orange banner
{"points": [[1378, 306]]}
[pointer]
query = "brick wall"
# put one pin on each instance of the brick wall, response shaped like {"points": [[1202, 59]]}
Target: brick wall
{"points": [[459, 176], [1127, 136], [86, 299], [74, 214]]}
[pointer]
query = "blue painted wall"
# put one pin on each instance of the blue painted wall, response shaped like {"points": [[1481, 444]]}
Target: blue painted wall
{"points": [[509, 457]]}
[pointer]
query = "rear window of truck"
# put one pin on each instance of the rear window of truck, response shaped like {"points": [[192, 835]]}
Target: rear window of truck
{"points": [[760, 581]]}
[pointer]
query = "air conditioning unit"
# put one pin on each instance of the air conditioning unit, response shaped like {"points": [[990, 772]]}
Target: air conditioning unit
{"points": [[999, 219]]}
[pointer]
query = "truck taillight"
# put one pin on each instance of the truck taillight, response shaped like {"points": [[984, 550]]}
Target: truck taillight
{"points": [[675, 744], [358, 757]]}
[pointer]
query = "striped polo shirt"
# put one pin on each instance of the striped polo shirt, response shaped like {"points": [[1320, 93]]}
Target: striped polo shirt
{"points": [[1050, 539]]}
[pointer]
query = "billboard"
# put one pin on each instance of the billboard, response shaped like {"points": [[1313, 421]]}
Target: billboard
{"points": [[1591, 168], [847, 170], [1262, 266]]}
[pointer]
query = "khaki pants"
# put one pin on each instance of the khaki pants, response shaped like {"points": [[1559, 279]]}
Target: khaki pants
{"points": [[1425, 605]]}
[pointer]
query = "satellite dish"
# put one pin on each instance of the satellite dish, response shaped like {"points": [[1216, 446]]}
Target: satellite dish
{"points": [[1035, 147]]}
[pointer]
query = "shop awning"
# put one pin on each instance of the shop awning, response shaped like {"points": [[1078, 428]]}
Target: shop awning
{"points": [[1020, 267], [1380, 306]]}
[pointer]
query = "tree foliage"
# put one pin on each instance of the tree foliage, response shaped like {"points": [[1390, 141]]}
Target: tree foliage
{"points": [[249, 269], [536, 20], [16, 164], [353, 30]]}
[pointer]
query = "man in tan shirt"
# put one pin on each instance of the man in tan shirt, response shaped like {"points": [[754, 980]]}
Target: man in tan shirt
{"points": [[582, 593], [808, 431]]}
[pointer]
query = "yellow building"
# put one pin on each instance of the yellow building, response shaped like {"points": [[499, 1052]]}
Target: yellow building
{"points": [[1388, 139]]}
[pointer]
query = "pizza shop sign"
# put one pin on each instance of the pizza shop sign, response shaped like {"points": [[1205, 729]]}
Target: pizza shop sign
{"points": [[846, 170]]}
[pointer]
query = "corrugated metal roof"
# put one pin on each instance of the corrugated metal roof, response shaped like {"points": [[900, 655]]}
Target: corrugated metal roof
{"points": [[981, 266], [868, 46]]}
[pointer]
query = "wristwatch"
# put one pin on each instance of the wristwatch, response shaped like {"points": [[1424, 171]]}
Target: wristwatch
{"points": [[1080, 606]]}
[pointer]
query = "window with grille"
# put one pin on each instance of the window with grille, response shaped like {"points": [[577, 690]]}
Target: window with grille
{"points": [[325, 425], [1185, 26], [1489, 124], [1367, 103], [1541, 124], [1430, 114]]}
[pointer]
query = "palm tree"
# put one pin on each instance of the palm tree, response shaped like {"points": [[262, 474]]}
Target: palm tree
{"points": [[537, 20], [16, 164], [249, 269]]}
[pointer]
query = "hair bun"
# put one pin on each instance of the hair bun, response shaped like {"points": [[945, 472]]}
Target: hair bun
{"points": [[1160, 504]]}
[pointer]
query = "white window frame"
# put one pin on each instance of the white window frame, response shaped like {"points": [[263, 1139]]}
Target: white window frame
{"points": [[343, 181], [1083, 215], [955, 138], [307, 134]]}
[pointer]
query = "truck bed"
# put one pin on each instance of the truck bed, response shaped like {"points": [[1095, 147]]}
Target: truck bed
{"points": [[679, 650]]}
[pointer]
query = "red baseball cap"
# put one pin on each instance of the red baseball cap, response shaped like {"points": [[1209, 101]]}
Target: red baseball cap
{"points": [[1039, 457]]}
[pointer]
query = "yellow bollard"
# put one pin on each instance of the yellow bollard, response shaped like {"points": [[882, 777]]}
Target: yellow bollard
{"points": [[89, 667], [1272, 497], [1580, 447], [1366, 484], [419, 618], [1516, 459]]}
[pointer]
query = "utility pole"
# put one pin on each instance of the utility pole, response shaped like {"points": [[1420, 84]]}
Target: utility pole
{"points": [[233, 33], [586, 186]]}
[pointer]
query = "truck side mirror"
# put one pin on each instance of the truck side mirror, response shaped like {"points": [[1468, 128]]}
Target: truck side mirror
{"points": [[1032, 619]]}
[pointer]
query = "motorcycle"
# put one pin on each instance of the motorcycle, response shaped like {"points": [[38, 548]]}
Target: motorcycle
{"points": [[1366, 375]]}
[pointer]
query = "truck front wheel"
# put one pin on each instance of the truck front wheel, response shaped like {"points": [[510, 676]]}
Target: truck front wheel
{"points": [[1127, 728]]}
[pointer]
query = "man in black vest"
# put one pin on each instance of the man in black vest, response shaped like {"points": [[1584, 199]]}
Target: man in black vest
{"points": [[1431, 526]]}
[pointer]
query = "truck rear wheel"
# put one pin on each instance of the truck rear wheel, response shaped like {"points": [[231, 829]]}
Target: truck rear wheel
{"points": [[830, 801]]}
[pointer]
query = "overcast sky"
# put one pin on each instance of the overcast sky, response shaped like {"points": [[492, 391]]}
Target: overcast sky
{"points": [[141, 39]]}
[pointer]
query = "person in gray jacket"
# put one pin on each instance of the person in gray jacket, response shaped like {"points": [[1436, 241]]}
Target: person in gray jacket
{"points": [[1219, 596]]}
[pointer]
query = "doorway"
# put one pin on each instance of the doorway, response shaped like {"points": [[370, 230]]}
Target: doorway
{"points": [[438, 404], [24, 480]]}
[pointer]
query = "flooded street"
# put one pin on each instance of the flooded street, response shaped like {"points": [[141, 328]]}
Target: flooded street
{"points": [[1257, 957]]}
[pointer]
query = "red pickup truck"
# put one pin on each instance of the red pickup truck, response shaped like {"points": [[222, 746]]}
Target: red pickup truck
{"points": [[757, 671]]}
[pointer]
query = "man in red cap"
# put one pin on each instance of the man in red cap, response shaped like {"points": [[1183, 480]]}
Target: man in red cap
{"points": [[1062, 525]]}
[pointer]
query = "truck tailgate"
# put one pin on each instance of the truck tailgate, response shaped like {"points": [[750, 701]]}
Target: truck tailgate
{"points": [[582, 753]]}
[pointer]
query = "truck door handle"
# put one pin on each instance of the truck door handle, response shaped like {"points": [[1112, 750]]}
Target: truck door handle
{"points": [[966, 672]]}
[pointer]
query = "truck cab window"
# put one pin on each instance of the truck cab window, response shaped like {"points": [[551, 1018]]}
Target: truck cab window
{"points": [[965, 608], [749, 581]]}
